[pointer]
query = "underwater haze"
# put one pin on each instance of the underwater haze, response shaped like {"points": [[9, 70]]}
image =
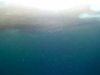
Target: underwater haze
{"points": [[70, 51]]}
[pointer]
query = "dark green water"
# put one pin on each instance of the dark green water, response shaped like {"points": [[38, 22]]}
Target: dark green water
{"points": [[72, 51]]}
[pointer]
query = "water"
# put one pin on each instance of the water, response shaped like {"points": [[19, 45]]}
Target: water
{"points": [[72, 51]]}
